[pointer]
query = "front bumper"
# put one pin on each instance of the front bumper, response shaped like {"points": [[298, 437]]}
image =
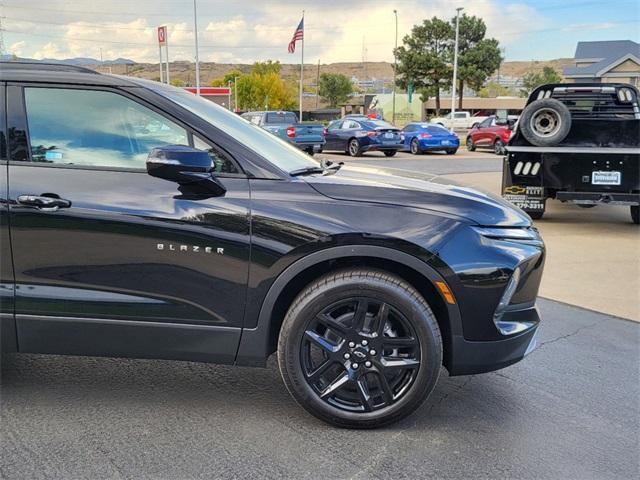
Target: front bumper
{"points": [[469, 357]]}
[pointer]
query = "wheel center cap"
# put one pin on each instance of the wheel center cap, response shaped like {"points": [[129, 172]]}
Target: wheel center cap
{"points": [[360, 353]]}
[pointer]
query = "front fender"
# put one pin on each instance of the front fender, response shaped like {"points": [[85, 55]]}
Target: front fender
{"points": [[255, 345]]}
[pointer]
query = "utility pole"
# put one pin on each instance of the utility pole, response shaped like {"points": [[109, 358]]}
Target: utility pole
{"points": [[166, 48], [318, 84], [235, 91], [395, 67], [455, 68], [195, 33], [302, 68]]}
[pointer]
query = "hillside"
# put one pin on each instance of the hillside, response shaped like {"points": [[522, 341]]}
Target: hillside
{"points": [[185, 71]]}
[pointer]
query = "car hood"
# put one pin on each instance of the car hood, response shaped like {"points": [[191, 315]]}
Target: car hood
{"points": [[418, 190]]}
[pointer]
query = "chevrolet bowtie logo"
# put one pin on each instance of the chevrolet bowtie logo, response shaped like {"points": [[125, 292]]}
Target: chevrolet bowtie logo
{"points": [[515, 190]]}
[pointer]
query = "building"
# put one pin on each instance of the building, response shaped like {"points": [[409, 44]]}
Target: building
{"points": [[606, 62], [501, 106]]}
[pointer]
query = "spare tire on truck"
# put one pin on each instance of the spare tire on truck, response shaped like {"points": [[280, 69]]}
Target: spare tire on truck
{"points": [[545, 122]]}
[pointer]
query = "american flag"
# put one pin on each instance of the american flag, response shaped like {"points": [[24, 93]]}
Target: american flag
{"points": [[298, 35]]}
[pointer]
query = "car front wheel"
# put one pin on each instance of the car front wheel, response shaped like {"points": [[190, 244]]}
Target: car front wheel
{"points": [[360, 348], [414, 147], [635, 214]]}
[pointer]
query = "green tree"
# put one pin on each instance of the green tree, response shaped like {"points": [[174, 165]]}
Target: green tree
{"points": [[478, 57], [532, 80], [424, 59], [224, 81], [335, 88], [263, 88], [176, 82], [263, 68], [493, 90]]}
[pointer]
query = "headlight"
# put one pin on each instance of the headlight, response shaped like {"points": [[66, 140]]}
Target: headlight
{"points": [[508, 233]]}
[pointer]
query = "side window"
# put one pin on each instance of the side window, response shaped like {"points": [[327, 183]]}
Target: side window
{"points": [[409, 128], [334, 125], [485, 123], [221, 162], [461, 115], [94, 128]]}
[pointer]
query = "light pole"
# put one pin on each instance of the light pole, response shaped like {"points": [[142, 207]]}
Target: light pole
{"points": [[455, 68], [235, 92], [395, 65], [195, 33]]}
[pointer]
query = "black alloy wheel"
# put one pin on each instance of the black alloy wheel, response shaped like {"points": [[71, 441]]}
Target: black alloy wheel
{"points": [[415, 148], [470, 145], [355, 353], [354, 148]]}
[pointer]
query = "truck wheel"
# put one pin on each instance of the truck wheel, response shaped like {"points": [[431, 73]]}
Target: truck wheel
{"points": [[635, 214], [545, 122], [470, 145], [354, 148], [537, 215], [360, 348]]}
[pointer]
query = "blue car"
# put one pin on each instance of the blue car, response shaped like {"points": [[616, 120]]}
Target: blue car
{"points": [[429, 137], [356, 135]]}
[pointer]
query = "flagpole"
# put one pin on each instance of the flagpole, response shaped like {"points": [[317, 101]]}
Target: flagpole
{"points": [[302, 67]]}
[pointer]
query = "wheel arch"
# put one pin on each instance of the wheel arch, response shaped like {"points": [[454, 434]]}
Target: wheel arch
{"points": [[258, 343]]}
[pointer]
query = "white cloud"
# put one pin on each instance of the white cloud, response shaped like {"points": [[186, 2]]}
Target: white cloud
{"points": [[17, 47]]}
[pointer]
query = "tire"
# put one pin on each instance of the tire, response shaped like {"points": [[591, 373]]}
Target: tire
{"points": [[635, 214], [545, 122], [390, 153], [537, 215], [310, 151], [353, 148], [451, 151], [498, 147], [470, 145], [415, 147], [362, 399]]}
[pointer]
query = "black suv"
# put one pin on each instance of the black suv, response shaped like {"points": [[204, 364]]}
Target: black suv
{"points": [[139, 220]]}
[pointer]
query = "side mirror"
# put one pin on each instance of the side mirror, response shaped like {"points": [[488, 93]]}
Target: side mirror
{"points": [[183, 165], [476, 125]]}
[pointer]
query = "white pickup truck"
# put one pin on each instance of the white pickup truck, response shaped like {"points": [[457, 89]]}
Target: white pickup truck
{"points": [[460, 120]]}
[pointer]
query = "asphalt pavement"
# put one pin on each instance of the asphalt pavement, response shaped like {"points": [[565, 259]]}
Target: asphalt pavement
{"points": [[570, 410]]}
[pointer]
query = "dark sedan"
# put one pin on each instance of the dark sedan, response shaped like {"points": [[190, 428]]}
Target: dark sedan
{"points": [[356, 136], [429, 137]]}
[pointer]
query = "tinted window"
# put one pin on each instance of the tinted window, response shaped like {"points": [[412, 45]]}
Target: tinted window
{"points": [[97, 128], [380, 124], [281, 117], [410, 128], [436, 129], [221, 162], [265, 144], [460, 115], [486, 123]]}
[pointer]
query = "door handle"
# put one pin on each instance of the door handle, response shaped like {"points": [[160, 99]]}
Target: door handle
{"points": [[45, 202]]}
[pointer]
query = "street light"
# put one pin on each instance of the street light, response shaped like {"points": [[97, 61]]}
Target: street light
{"points": [[395, 65], [455, 68], [195, 32]]}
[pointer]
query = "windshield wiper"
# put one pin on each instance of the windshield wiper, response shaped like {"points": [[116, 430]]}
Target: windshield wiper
{"points": [[306, 171]]}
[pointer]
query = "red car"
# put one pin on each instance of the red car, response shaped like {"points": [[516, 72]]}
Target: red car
{"points": [[493, 132]]}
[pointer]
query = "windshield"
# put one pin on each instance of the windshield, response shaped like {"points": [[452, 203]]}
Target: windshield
{"points": [[267, 145], [281, 117]]}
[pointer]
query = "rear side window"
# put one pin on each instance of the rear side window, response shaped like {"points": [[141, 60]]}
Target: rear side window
{"points": [[95, 128], [281, 117]]}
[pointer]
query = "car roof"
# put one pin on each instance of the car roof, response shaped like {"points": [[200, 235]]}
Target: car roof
{"points": [[25, 71]]}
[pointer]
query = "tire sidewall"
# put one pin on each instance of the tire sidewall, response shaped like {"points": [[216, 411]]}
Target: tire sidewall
{"points": [[524, 123], [349, 149], [414, 148], [430, 351]]}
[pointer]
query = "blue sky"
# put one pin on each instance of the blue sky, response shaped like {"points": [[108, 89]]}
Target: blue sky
{"points": [[336, 30]]}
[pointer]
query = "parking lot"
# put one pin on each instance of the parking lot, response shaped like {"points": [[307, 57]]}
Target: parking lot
{"points": [[570, 410]]}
